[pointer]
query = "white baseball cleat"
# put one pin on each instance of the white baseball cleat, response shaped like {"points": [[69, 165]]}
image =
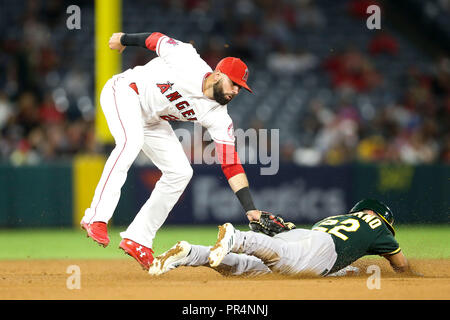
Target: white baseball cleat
{"points": [[171, 259], [225, 241]]}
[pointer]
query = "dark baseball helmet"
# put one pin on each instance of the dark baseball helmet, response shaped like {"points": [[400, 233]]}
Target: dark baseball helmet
{"points": [[379, 208]]}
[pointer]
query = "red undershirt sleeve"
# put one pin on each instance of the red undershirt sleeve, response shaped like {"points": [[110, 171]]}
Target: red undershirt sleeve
{"points": [[152, 40], [229, 160]]}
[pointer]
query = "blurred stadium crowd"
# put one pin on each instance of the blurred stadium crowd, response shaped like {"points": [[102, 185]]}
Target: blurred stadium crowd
{"points": [[338, 92]]}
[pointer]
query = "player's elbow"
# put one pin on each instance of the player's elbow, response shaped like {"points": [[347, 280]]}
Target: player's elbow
{"points": [[177, 179], [400, 267]]}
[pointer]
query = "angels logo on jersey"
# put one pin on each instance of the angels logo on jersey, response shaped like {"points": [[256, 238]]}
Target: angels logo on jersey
{"points": [[172, 42], [164, 86]]}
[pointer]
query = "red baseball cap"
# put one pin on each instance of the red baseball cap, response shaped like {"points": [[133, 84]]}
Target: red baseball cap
{"points": [[235, 69]]}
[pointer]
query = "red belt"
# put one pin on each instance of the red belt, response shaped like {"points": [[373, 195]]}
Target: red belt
{"points": [[134, 87]]}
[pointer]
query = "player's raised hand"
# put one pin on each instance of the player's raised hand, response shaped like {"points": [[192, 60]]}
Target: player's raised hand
{"points": [[114, 42]]}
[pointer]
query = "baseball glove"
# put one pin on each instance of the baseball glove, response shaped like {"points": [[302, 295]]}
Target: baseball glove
{"points": [[270, 224]]}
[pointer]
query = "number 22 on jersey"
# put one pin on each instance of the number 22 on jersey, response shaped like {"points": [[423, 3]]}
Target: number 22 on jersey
{"points": [[348, 225]]}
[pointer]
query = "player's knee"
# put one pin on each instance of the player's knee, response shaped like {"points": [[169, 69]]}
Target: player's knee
{"points": [[182, 176], [126, 151], [130, 145], [185, 174], [177, 178]]}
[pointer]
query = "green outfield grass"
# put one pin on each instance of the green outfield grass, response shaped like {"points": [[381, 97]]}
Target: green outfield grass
{"points": [[415, 240]]}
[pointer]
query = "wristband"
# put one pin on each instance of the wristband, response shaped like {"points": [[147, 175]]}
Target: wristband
{"points": [[245, 198], [134, 39]]}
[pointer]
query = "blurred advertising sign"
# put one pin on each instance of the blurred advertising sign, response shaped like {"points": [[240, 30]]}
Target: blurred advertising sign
{"points": [[299, 194]]}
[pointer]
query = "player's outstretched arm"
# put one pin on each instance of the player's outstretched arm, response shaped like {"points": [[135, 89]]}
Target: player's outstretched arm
{"points": [[239, 185], [119, 41], [237, 179], [398, 262]]}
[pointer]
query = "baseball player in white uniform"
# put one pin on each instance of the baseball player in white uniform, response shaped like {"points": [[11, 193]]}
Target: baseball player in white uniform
{"points": [[138, 104]]}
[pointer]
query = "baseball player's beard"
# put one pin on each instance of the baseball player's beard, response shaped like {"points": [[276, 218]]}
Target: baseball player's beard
{"points": [[218, 93]]}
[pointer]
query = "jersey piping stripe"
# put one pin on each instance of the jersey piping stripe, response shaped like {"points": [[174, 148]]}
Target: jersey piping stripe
{"points": [[118, 157], [159, 44], [393, 252], [203, 81], [230, 143]]}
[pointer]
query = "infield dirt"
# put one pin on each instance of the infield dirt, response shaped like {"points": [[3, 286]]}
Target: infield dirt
{"points": [[123, 279]]}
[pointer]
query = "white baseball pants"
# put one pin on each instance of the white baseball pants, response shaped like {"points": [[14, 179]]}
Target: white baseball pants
{"points": [[124, 116], [291, 252]]}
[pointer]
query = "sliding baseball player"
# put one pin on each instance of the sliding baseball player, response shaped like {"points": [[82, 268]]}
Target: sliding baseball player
{"points": [[329, 248]]}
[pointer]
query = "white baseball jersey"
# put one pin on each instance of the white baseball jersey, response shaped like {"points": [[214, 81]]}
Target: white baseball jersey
{"points": [[170, 88]]}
